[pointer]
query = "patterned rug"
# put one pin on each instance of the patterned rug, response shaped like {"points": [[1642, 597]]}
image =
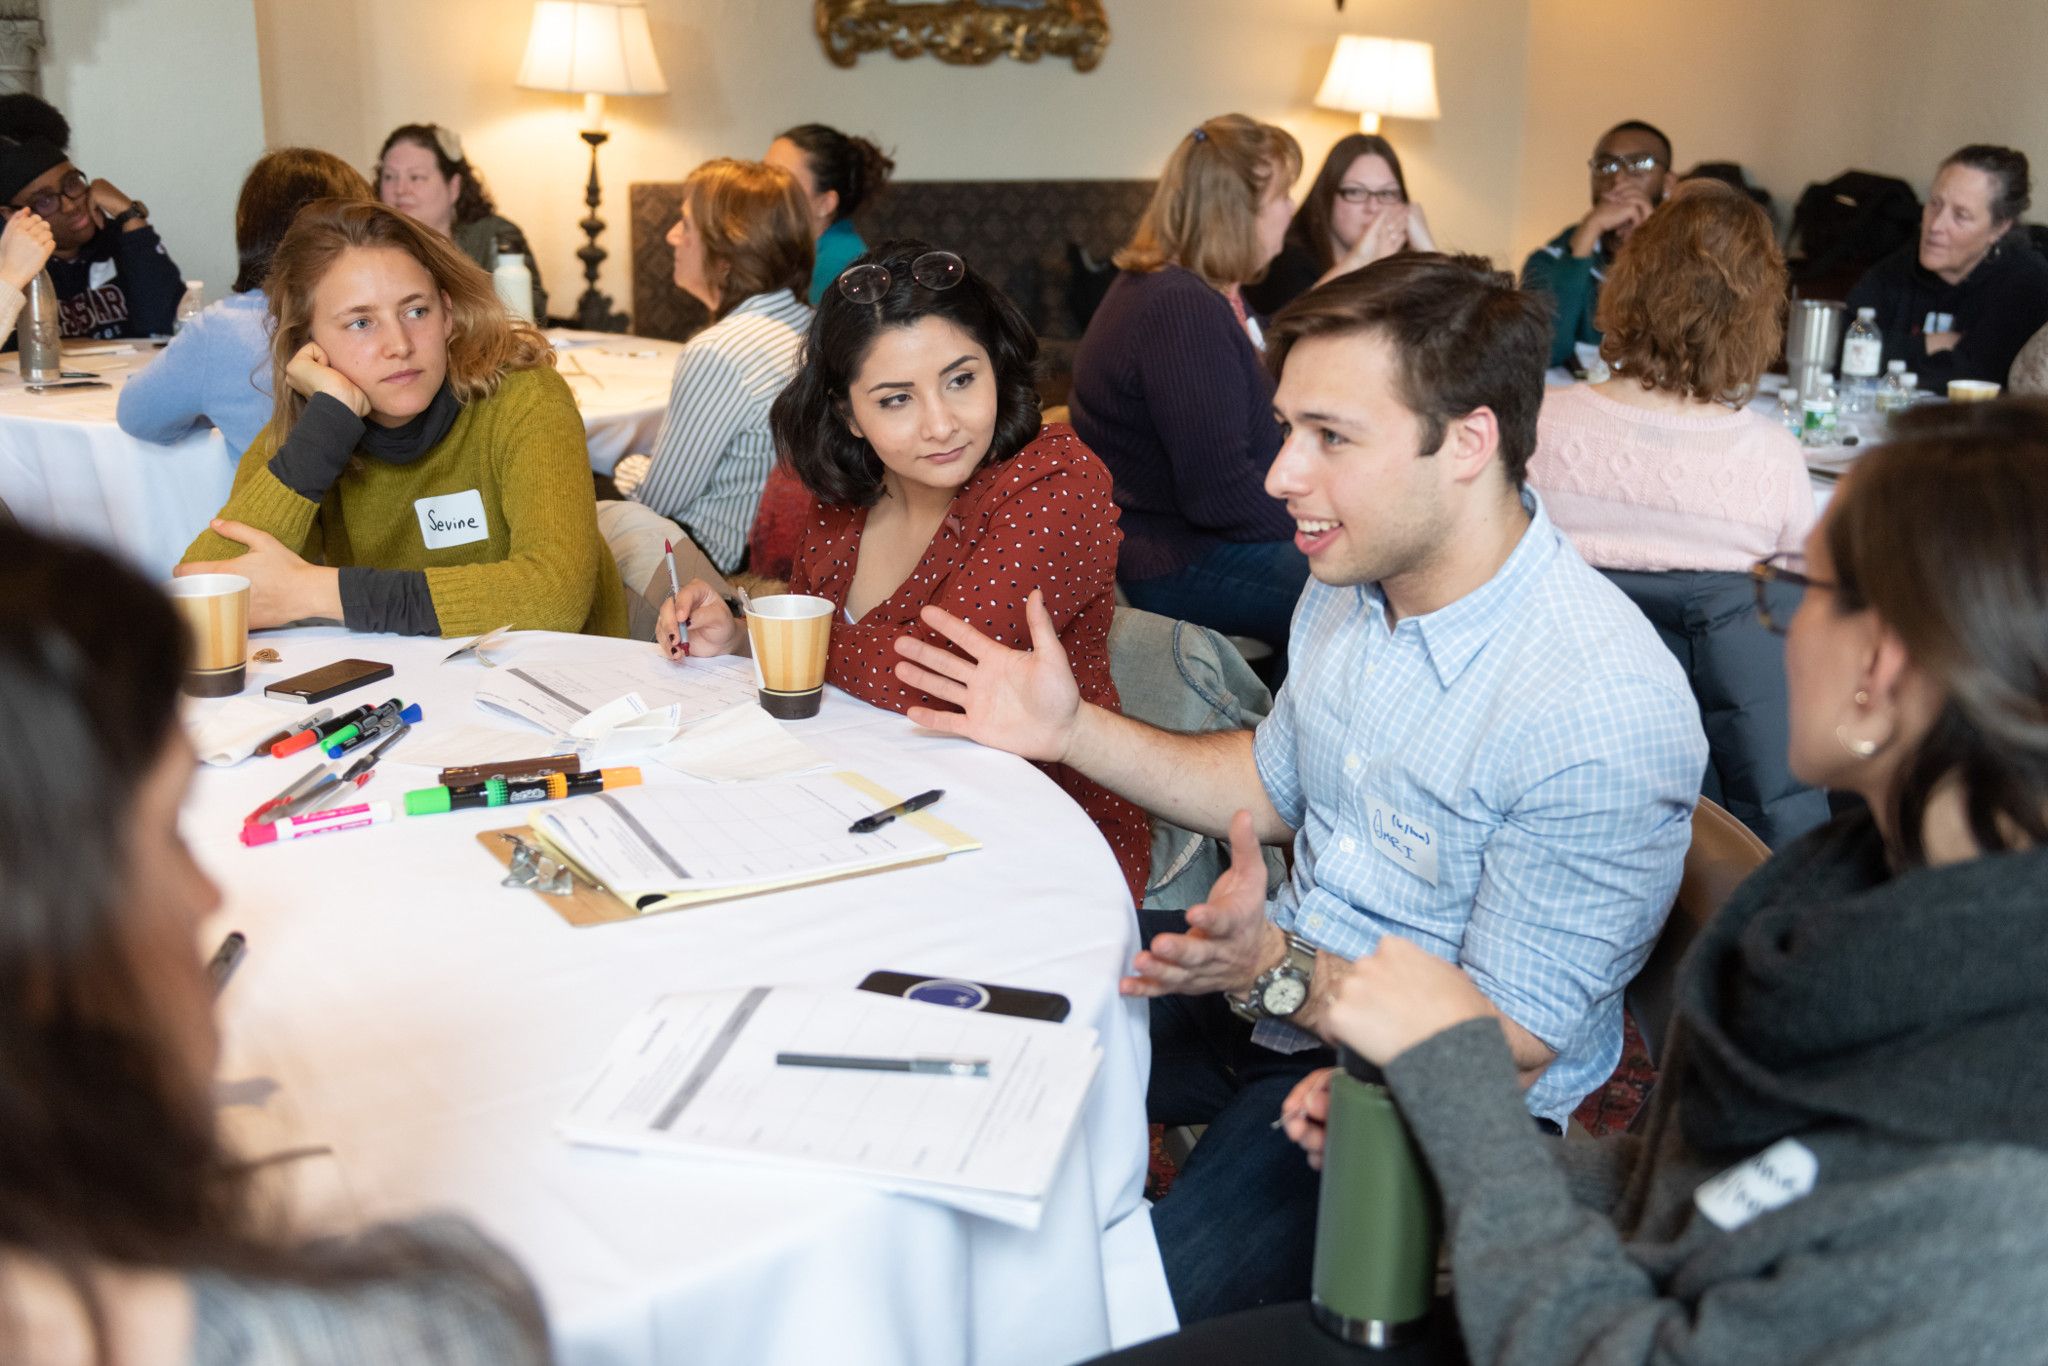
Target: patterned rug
{"points": [[1606, 1111]]}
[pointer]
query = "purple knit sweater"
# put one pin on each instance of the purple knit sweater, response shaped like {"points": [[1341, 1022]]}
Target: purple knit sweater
{"points": [[1174, 398]]}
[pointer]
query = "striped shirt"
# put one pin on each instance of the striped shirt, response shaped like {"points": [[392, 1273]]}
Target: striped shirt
{"points": [[714, 450], [1507, 782]]}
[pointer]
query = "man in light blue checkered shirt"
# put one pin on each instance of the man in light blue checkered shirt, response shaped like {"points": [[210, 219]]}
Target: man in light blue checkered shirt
{"points": [[1482, 748]]}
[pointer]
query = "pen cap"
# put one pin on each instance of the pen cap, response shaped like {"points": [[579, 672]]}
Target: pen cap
{"points": [[428, 801], [620, 777], [253, 835], [293, 744], [411, 715]]}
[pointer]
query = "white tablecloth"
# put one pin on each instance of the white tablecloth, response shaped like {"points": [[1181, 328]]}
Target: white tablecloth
{"points": [[66, 467], [432, 1026]]}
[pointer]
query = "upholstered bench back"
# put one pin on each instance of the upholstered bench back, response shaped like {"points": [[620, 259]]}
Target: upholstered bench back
{"points": [[1020, 233]]}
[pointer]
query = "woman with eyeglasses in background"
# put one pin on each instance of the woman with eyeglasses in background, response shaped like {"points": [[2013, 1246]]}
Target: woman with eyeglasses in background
{"points": [[1356, 213], [914, 425], [111, 272]]}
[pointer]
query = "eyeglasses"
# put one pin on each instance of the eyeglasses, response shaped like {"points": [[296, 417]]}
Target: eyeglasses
{"points": [[869, 283], [1359, 194], [46, 204], [1639, 165], [1787, 567]]}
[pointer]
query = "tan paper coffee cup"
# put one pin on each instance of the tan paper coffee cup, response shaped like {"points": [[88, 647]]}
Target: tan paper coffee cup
{"points": [[1971, 391], [215, 608], [791, 634]]}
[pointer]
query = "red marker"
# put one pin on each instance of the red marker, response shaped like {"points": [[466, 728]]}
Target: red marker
{"points": [[275, 745]]}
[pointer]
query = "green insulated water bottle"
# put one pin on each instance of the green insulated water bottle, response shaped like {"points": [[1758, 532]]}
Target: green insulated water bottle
{"points": [[1377, 1223]]}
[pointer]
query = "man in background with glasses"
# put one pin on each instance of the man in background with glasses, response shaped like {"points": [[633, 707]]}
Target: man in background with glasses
{"points": [[1631, 175], [113, 276]]}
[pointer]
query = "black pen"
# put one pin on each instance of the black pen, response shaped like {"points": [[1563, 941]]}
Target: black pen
{"points": [[369, 761], [222, 965], [868, 825]]}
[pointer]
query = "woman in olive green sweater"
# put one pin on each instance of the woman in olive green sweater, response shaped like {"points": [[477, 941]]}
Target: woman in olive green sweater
{"points": [[425, 470]]}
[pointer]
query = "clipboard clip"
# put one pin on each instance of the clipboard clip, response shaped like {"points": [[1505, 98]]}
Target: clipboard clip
{"points": [[533, 871]]}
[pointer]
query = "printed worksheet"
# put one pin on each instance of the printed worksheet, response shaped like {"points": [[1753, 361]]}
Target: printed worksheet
{"points": [[670, 839], [699, 1074], [555, 696]]}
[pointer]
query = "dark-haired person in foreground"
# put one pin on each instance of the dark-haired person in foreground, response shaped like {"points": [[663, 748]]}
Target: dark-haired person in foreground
{"points": [[216, 371], [128, 1232], [1963, 300], [1631, 174], [914, 424], [1482, 747], [111, 272]]}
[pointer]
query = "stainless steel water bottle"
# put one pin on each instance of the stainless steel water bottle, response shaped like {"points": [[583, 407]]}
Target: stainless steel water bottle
{"points": [[42, 354]]}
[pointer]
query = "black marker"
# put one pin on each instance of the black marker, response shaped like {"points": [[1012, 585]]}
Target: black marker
{"points": [[225, 959]]}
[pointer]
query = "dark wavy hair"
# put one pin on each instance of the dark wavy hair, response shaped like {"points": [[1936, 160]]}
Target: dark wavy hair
{"points": [[1310, 230], [809, 418], [1694, 303], [276, 188], [855, 167], [1938, 531], [473, 201]]}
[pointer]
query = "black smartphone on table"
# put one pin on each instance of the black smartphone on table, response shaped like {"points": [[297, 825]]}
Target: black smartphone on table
{"points": [[962, 994]]}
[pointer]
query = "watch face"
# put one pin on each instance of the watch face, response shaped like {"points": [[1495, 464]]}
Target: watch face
{"points": [[1284, 995]]}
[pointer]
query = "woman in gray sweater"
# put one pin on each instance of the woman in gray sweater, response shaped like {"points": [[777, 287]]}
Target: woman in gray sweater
{"points": [[1846, 1154], [128, 1232]]}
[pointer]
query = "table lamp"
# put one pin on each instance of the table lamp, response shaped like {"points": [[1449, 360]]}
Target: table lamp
{"points": [[592, 48], [1375, 77]]}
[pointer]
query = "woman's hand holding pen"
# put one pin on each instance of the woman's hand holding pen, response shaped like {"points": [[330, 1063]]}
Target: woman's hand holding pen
{"points": [[703, 615]]}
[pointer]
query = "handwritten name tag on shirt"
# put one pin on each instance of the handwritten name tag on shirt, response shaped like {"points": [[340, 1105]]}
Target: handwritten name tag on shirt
{"points": [[1773, 1178], [1408, 842], [452, 519]]}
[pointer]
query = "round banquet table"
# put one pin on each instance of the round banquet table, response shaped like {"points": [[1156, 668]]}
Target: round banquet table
{"points": [[66, 467], [399, 1007]]}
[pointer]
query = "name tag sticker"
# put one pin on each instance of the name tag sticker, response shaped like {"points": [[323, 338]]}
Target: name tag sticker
{"points": [[101, 273], [1774, 1178], [452, 519], [1408, 842]]}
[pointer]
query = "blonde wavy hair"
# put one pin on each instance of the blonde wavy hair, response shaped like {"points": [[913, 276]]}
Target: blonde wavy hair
{"points": [[484, 342], [1204, 212]]}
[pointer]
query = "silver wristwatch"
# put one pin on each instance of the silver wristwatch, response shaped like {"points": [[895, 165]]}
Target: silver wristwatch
{"points": [[1280, 991]]}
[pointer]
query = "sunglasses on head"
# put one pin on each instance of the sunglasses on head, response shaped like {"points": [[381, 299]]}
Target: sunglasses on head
{"points": [[869, 283]]}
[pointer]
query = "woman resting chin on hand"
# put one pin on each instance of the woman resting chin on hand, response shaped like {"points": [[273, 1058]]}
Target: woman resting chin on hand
{"points": [[425, 471]]}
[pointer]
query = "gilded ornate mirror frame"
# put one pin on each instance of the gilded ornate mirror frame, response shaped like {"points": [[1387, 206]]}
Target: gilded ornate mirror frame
{"points": [[965, 32]]}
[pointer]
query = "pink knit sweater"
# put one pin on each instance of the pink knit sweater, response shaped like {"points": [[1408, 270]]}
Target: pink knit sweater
{"points": [[1635, 489]]}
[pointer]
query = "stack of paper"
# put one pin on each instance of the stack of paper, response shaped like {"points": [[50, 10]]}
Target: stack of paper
{"points": [[660, 848], [556, 697], [697, 1075]]}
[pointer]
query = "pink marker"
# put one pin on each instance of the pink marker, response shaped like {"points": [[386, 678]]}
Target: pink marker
{"points": [[317, 823]]}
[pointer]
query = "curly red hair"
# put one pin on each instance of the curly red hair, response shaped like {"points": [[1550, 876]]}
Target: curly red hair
{"points": [[1695, 301]]}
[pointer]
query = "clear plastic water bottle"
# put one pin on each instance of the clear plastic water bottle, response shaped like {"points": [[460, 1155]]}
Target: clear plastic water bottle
{"points": [[1894, 395], [1818, 425], [188, 306], [1862, 356]]}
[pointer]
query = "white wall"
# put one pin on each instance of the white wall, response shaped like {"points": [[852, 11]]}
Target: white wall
{"points": [[165, 100], [342, 74]]}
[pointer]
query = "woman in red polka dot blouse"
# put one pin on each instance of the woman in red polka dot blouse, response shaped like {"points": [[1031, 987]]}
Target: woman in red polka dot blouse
{"points": [[914, 424]]}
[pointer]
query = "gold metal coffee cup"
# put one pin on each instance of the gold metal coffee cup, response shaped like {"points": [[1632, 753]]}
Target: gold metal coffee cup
{"points": [[791, 634], [215, 609]]}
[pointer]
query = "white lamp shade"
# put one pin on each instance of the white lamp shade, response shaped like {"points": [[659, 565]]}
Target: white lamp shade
{"points": [[591, 47], [1390, 76]]}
